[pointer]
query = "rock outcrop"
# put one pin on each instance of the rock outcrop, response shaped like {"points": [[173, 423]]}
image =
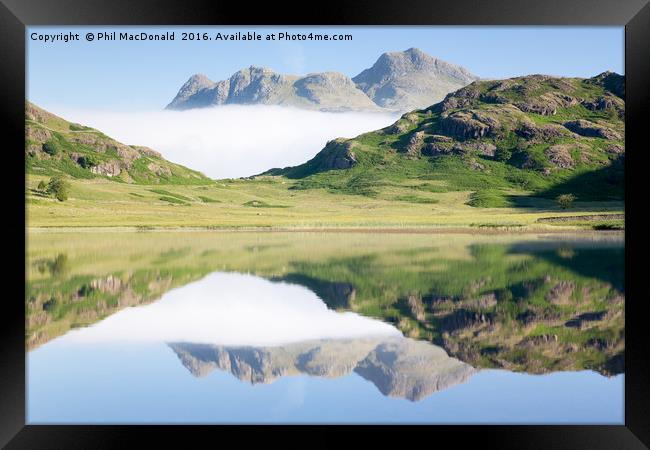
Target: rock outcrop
{"points": [[336, 155], [559, 156], [590, 129], [463, 125], [415, 143]]}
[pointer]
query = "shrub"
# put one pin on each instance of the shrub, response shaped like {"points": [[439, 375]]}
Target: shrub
{"points": [[52, 148], [59, 265], [41, 185], [565, 200], [503, 154], [49, 305], [88, 161], [59, 188]]}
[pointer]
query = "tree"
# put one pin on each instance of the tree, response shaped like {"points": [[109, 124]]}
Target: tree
{"points": [[42, 185], [58, 187], [565, 200]]}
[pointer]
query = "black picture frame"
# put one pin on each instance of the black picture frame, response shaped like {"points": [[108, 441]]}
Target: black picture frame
{"points": [[15, 15]]}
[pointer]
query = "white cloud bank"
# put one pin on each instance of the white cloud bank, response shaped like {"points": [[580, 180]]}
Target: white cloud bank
{"points": [[232, 309], [234, 140]]}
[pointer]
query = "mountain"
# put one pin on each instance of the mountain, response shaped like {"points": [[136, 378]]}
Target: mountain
{"points": [[53, 145], [398, 367], [537, 135], [328, 91], [411, 79], [398, 81]]}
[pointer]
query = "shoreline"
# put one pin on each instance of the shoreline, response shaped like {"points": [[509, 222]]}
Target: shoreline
{"points": [[362, 229]]}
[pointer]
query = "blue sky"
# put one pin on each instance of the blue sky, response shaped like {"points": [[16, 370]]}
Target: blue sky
{"points": [[120, 75]]}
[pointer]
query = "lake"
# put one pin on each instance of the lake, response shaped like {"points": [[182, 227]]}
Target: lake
{"points": [[309, 327]]}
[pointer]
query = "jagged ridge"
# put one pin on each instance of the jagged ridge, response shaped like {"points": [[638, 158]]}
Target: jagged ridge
{"points": [[398, 81]]}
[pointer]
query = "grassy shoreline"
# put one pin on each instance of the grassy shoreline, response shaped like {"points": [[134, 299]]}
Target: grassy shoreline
{"points": [[365, 229]]}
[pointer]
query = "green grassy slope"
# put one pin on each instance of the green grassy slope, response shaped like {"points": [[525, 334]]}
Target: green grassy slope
{"points": [[56, 146], [536, 134]]}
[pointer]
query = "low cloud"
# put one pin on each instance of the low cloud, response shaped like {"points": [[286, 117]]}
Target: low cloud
{"points": [[231, 141]]}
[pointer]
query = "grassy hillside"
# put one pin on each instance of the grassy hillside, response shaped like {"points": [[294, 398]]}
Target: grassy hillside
{"points": [[55, 146], [495, 153], [537, 135]]}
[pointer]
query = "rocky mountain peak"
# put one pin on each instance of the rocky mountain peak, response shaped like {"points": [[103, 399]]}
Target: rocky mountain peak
{"points": [[397, 81], [193, 86], [195, 83], [411, 79]]}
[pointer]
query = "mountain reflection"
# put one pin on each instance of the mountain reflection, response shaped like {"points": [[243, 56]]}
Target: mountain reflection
{"points": [[398, 367], [413, 314]]}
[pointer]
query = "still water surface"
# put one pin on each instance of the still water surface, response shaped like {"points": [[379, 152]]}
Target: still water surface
{"points": [[324, 328]]}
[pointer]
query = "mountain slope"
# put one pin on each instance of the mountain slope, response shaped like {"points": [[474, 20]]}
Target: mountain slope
{"points": [[330, 91], [411, 79], [54, 145], [535, 134]]}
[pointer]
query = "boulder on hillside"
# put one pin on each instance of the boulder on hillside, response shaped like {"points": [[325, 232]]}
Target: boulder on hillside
{"points": [[415, 143], [462, 98], [609, 103], [546, 104], [109, 168], [462, 125], [590, 129], [399, 127], [532, 132], [559, 156], [439, 145], [615, 149]]}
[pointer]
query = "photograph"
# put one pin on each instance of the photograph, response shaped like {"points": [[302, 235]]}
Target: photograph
{"points": [[368, 222], [325, 225]]}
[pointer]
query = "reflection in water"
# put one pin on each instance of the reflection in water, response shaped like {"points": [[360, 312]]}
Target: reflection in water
{"points": [[232, 309], [399, 367], [412, 314]]}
